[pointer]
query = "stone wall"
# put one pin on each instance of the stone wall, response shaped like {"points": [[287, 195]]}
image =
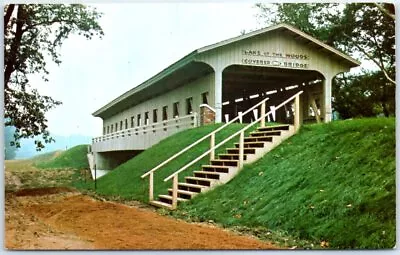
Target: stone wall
{"points": [[207, 115]]}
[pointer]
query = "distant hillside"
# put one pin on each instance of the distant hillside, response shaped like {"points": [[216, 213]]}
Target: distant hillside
{"points": [[74, 157], [28, 148]]}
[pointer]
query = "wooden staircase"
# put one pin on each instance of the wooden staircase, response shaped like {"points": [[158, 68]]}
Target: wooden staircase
{"points": [[226, 166]]}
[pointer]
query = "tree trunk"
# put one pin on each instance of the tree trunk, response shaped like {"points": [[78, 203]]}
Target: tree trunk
{"points": [[10, 59], [385, 109], [7, 17]]}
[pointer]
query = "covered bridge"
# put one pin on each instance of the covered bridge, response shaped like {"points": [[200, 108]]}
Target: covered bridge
{"points": [[217, 82]]}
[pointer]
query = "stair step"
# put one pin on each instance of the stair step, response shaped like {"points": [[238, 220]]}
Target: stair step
{"points": [[245, 151], [166, 198], [199, 180], [207, 174], [215, 168], [161, 204], [258, 139], [265, 133], [251, 145], [224, 162], [231, 156], [276, 127], [191, 187], [183, 193]]}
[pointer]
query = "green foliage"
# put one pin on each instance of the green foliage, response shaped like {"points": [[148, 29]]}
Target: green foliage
{"points": [[125, 182], [332, 182], [363, 30], [9, 147], [360, 29], [365, 95], [74, 158], [32, 33]]}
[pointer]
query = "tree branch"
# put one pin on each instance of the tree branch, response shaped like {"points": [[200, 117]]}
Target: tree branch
{"points": [[369, 56], [7, 17], [384, 11], [10, 62]]}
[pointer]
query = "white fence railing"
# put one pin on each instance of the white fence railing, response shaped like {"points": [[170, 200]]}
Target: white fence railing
{"points": [[162, 126], [211, 135]]}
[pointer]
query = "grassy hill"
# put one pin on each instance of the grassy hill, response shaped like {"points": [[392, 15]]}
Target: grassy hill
{"points": [[331, 182], [125, 182], [72, 158], [47, 156]]}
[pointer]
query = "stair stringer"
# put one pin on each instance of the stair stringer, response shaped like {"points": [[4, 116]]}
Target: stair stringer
{"points": [[251, 158], [260, 152]]}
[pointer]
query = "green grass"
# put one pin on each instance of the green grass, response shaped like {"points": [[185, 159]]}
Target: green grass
{"points": [[124, 181], [332, 182], [44, 156], [74, 158]]}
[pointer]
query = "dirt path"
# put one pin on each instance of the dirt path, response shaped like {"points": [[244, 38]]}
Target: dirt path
{"points": [[58, 218]]}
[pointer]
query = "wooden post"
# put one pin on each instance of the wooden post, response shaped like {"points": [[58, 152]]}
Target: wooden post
{"points": [[212, 145], [241, 149], [297, 112], [240, 117], [151, 186], [175, 191], [262, 123], [314, 107]]}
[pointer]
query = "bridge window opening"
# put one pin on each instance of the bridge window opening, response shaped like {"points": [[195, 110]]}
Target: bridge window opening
{"points": [[112, 128], [146, 118], [108, 129], [225, 103], [204, 98], [116, 126], [155, 116], [132, 121], [120, 125], [239, 100], [104, 130], [189, 108], [176, 109], [126, 123], [165, 113], [272, 92], [254, 96], [139, 121]]}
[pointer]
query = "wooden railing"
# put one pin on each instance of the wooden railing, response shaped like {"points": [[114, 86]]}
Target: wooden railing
{"points": [[212, 145], [261, 119], [151, 128]]}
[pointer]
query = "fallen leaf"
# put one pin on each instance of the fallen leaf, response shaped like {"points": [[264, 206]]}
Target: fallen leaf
{"points": [[260, 173], [349, 205], [238, 216], [324, 244]]}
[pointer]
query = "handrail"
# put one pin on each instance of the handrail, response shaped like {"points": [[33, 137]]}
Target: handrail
{"points": [[144, 127], [202, 139], [230, 137]]}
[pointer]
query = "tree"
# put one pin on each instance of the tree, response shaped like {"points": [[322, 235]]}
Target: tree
{"points": [[364, 95], [32, 34], [10, 151], [363, 30]]}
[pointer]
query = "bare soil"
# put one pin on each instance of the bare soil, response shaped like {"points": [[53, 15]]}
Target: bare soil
{"points": [[59, 218]]}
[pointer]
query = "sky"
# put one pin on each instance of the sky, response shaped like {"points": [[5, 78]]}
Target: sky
{"points": [[140, 40]]}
